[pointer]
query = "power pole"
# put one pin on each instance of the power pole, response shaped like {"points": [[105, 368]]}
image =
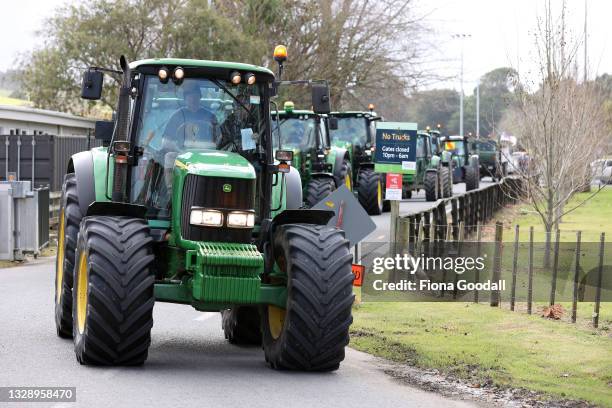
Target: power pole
{"points": [[585, 41], [461, 37], [478, 109]]}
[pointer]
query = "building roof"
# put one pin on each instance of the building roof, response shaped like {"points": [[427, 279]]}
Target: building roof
{"points": [[33, 115]]}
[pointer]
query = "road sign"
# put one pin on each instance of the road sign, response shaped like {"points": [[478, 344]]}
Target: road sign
{"points": [[350, 215], [395, 147], [393, 185]]}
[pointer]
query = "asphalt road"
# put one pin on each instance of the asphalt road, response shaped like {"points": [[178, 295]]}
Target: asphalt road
{"points": [[190, 363], [415, 204]]}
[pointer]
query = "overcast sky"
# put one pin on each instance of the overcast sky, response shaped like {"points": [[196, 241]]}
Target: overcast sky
{"points": [[501, 32]]}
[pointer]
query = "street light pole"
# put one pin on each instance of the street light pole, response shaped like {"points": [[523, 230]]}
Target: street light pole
{"points": [[461, 37], [478, 109]]}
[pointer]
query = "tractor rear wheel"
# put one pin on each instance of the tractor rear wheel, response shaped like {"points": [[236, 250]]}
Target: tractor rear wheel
{"points": [[370, 191], [471, 178], [318, 189], [345, 175], [69, 220], [447, 182], [430, 183], [113, 291], [242, 325], [311, 333]]}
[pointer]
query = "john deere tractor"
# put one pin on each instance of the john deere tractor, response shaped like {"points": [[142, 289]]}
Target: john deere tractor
{"points": [[356, 132], [430, 173], [465, 166], [187, 204], [323, 168]]}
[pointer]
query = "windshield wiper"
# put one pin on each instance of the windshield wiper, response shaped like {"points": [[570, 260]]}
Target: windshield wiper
{"points": [[227, 91]]}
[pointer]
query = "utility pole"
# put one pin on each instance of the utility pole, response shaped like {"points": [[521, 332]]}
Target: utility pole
{"points": [[478, 109], [461, 37], [585, 41]]}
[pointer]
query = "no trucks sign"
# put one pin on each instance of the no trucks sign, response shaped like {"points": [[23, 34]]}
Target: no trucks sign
{"points": [[395, 147]]}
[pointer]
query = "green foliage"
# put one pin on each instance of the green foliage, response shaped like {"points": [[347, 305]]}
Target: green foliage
{"points": [[347, 42]]}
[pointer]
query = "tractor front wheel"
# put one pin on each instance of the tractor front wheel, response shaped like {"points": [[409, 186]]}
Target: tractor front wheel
{"points": [[241, 325], [447, 182], [430, 183], [370, 191], [113, 291], [311, 332], [318, 189], [345, 176], [69, 220], [471, 178]]}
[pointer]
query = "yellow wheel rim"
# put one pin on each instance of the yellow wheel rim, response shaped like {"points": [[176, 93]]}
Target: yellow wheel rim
{"points": [[379, 194], [347, 182], [59, 268], [276, 320], [82, 285]]}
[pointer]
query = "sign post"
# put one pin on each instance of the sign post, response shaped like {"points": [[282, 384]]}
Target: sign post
{"points": [[395, 156]]}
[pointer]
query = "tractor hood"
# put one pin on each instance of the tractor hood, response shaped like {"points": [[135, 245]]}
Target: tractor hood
{"points": [[215, 163]]}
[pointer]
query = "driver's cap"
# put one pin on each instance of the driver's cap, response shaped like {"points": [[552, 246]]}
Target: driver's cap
{"points": [[191, 88]]}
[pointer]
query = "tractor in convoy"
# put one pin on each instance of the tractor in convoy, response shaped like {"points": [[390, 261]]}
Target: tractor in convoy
{"points": [[322, 167], [492, 160], [430, 173], [465, 165], [188, 203], [355, 131]]}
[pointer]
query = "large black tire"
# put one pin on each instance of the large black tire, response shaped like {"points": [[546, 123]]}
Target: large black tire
{"points": [[242, 325], [318, 189], [113, 292], [69, 221], [370, 191], [345, 176], [471, 178], [447, 182], [311, 333], [430, 184]]}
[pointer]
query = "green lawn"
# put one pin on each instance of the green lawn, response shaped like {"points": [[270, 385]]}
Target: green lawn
{"points": [[480, 343]]}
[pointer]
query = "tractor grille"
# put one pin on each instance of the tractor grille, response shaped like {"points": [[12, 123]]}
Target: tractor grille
{"points": [[201, 191]]}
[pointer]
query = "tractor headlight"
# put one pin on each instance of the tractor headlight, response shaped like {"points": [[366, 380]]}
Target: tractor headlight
{"points": [[206, 218], [240, 219]]}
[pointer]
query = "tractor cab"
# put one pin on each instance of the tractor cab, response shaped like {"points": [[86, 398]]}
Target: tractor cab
{"points": [[188, 202]]}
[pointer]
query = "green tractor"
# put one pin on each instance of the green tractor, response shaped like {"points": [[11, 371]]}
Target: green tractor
{"points": [[356, 132], [430, 172], [188, 204], [306, 134], [492, 160], [465, 166]]}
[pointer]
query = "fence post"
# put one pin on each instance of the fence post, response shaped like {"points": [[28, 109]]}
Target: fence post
{"points": [[576, 275], [476, 270], [602, 241], [530, 276], [455, 216], [514, 267], [499, 230], [553, 286]]}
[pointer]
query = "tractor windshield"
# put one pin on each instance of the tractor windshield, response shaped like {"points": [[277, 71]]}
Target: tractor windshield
{"points": [[195, 115], [456, 147], [297, 132], [350, 129]]}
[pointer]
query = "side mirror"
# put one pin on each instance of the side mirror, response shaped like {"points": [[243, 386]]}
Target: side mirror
{"points": [[333, 123], [320, 99], [92, 85], [104, 131]]}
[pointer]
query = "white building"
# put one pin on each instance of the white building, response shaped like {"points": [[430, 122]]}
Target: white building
{"points": [[25, 120]]}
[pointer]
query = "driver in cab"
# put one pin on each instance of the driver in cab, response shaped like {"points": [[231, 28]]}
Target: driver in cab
{"points": [[191, 125]]}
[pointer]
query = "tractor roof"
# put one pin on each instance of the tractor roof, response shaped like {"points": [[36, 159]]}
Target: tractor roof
{"points": [[353, 113], [200, 64], [294, 112], [455, 137]]}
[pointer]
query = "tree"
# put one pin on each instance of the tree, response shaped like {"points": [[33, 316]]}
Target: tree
{"points": [[560, 125], [357, 45]]}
